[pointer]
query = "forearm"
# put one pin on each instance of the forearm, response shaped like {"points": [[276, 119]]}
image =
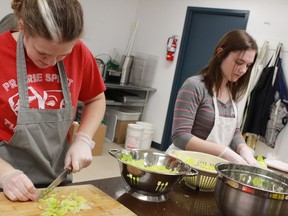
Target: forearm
{"points": [[92, 115], [237, 140], [240, 147], [197, 144]]}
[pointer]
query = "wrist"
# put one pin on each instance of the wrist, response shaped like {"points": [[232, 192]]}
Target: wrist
{"points": [[246, 150], [223, 152], [84, 138], [7, 174]]}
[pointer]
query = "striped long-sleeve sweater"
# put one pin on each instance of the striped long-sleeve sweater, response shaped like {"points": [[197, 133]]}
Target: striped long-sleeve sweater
{"points": [[194, 114]]}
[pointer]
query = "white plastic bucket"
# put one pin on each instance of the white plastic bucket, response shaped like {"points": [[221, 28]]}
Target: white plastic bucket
{"points": [[146, 125], [147, 135], [133, 136]]}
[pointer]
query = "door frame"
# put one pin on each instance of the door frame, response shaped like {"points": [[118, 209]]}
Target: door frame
{"points": [[166, 138]]}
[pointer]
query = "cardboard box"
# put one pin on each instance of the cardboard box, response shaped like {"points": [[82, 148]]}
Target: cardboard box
{"points": [[98, 138], [120, 131]]}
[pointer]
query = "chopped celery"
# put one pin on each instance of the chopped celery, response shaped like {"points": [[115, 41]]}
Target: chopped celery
{"points": [[261, 161], [207, 167], [198, 163], [190, 161], [141, 164], [54, 207]]}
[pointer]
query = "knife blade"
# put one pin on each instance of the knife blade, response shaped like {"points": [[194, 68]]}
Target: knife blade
{"points": [[54, 184]]}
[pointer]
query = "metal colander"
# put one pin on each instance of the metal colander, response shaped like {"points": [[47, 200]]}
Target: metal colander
{"points": [[151, 185], [204, 164]]}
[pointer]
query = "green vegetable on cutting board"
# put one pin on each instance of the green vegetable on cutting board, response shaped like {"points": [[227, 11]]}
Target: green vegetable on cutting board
{"points": [[55, 207]]}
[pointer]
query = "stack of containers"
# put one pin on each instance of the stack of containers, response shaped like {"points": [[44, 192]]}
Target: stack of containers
{"points": [[133, 136], [139, 135], [143, 69], [117, 123], [147, 135]]}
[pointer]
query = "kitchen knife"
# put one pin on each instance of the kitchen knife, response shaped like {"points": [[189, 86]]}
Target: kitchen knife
{"points": [[54, 184]]}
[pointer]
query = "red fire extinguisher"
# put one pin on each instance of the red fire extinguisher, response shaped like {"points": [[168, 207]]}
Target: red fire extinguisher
{"points": [[171, 48]]}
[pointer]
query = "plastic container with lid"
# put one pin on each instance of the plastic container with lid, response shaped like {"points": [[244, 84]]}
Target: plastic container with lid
{"points": [[147, 135], [124, 114], [133, 136]]}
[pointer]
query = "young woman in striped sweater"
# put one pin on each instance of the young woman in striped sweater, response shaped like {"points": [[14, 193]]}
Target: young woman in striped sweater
{"points": [[205, 114]]}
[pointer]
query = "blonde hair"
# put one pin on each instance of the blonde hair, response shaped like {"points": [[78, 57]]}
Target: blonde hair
{"points": [[55, 20]]}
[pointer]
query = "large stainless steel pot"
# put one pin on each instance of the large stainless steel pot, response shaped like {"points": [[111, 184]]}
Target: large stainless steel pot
{"points": [[243, 190]]}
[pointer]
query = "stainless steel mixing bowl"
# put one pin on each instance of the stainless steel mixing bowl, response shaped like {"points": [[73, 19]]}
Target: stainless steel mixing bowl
{"points": [[151, 185], [243, 190]]}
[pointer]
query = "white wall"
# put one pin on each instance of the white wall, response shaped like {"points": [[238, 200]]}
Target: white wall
{"points": [[5, 8], [108, 25]]}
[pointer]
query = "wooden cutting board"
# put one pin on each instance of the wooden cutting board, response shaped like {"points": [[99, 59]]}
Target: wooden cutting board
{"points": [[100, 203]]}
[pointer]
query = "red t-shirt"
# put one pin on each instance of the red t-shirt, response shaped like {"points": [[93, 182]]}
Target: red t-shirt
{"points": [[44, 87]]}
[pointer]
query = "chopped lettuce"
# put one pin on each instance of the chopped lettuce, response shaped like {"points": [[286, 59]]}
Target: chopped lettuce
{"points": [[261, 183], [261, 161], [141, 164], [198, 163], [55, 207]]}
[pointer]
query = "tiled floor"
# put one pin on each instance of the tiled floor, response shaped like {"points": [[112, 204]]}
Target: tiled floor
{"points": [[104, 166]]}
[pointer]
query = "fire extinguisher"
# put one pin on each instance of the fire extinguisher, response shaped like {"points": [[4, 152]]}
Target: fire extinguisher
{"points": [[171, 48]]}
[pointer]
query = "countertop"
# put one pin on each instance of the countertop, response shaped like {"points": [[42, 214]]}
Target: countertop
{"points": [[182, 200]]}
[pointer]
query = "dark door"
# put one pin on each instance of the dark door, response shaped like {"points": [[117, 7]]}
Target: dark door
{"points": [[202, 30]]}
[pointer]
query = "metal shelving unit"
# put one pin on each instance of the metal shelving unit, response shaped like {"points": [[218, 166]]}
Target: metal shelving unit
{"points": [[141, 91]]}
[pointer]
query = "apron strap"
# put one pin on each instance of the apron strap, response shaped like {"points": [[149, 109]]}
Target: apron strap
{"points": [[22, 74], [64, 83]]}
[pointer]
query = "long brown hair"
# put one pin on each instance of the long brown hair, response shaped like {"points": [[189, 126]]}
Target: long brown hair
{"points": [[235, 40], [55, 20]]}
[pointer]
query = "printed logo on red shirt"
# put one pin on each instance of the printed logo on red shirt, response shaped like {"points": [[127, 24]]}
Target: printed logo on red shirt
{"points": [[50, 99]]}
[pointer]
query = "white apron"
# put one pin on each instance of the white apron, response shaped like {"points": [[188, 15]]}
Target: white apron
{"points": [[223, 129]]}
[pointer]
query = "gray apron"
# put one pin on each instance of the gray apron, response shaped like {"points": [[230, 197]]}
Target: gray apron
{"points": [[39, 144]]}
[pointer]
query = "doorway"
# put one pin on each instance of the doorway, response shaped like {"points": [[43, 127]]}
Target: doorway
{"points": [[202, 29]]}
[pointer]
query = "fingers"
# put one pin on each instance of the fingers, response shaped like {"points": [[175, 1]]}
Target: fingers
{"points": [[32, 192], [68, 162], [252, 161], [14, 195], [80, 164], [21, 189], [75, 163]]}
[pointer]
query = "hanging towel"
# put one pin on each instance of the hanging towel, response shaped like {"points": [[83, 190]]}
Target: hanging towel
{"points": [[278, 113], [282, 85], [276, 122], [273, 162], [261, 99]]}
